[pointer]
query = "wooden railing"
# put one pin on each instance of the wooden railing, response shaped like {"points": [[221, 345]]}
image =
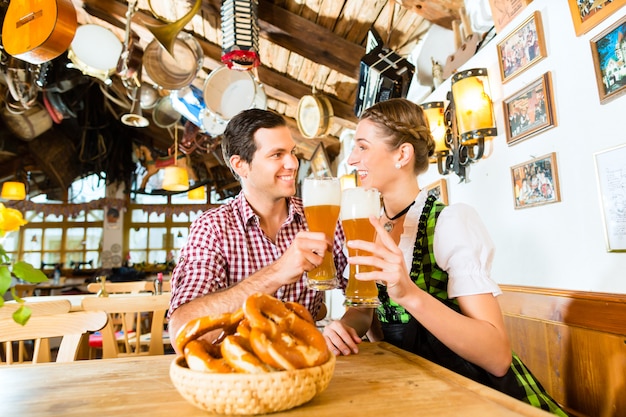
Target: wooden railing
{"points": [[574, 343]]}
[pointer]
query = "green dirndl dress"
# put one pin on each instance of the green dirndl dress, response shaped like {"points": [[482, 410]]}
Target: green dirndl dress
{"points": [[404, 331]]}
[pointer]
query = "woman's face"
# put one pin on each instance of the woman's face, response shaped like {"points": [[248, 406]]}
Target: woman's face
{"points": [[371, 157]]}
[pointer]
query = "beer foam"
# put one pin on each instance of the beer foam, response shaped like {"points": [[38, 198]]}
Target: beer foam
{"points": [[321, 192], [360, 203]]}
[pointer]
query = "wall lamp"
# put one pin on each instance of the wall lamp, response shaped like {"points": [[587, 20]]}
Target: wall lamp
{"points": [[460, 131]]}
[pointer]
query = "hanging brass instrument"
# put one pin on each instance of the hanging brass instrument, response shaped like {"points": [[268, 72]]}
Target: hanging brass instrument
{"points": [[166, 34]]}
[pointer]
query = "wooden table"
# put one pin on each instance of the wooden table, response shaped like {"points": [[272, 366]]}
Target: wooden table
{"points": [[380, 381]]}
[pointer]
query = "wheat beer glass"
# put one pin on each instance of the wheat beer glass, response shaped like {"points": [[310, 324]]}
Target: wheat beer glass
{"points": [[321, 198], [357, 205]]}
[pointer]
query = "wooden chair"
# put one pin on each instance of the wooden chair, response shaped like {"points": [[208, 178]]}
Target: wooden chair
{"points": [[25, 290], [132, 287], [37, 309], [126, 327], [69, 326]]}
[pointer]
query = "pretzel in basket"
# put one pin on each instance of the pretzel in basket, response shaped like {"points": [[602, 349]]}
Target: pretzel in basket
{"points": [[265, 335]]}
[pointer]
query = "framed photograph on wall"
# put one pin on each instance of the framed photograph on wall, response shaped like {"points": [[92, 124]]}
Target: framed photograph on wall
{"points": [[503, 11], [525, 46], [587, 14], [609, 50], [320, 164], [611, 176], [536, 182], [530, 110], [439, 189]]}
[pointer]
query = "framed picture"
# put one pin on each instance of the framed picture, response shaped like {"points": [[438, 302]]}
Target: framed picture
{"points": [[536, 182], [530, 110], [587, 14], [320, 164], [608, 50], [503, 11], [525, 46], [611, 175], [439, 189]]}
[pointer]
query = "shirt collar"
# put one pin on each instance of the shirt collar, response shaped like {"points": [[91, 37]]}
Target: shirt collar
{"points": [[296, 212]]}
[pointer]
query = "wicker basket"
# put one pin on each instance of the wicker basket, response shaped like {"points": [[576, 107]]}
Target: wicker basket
{"points": [[246, 394]]}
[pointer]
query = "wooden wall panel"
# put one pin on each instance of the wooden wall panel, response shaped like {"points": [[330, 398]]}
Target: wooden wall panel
{"points": [[574, 343]]}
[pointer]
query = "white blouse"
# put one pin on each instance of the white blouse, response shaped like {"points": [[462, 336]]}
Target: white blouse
{"points": [[462, 246]]}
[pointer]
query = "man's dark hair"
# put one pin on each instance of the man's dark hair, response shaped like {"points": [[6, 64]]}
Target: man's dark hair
{"points": [[238, 138]]}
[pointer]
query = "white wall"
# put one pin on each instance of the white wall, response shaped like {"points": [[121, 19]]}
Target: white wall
{"points": [[559, 245]]}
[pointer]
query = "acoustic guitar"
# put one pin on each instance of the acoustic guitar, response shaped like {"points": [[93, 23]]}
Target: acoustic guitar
{"points": [[37, 31]]}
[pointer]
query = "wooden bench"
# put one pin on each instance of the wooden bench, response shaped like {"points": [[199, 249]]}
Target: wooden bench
{"points": [[574, 343]]}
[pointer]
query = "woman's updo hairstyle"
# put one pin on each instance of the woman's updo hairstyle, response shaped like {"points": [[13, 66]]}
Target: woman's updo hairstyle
{"points": [[402, 121]]}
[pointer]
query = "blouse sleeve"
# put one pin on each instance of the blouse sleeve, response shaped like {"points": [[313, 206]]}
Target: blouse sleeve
{"points": [[464, 249]]}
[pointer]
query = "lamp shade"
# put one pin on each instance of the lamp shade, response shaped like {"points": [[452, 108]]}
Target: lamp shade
{"points": [[436, 121], [198, 193], [175, 179], [13, 190], [472, 102]]}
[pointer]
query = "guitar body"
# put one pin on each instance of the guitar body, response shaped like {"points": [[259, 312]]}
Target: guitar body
{"points": [[37, 31]]}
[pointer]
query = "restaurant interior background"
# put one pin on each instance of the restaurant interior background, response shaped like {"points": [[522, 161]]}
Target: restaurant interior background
{"points": [[558, 245]]}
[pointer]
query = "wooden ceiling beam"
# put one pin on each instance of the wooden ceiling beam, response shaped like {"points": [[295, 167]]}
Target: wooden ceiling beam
{"points": [[440, 12], [304, 37]]}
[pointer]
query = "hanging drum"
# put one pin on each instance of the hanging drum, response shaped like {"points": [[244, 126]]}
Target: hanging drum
{"points": [[177, 71], [314, 115], [228, 92], [95, 51]]}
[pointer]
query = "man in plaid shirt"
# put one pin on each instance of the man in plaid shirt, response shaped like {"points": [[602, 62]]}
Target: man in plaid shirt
{"points": [[259, 241]]}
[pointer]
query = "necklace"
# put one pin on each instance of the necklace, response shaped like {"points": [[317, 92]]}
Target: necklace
{"points": [[389, 224]]}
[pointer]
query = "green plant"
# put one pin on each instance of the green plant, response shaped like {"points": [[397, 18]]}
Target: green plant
{"points": [[10, 221]]}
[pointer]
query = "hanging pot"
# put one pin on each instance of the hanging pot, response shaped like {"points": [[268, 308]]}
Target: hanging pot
{"points": [[177, 71], [164, 115]]}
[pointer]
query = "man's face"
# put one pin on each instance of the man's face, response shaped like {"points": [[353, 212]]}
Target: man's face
{"points": [[274, 166]]}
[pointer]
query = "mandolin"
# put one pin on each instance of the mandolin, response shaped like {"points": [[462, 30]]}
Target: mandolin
{"points": [[37, 31]]}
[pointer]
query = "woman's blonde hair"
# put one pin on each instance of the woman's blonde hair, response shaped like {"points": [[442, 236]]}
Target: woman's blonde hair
{"points": [[402, 121]]}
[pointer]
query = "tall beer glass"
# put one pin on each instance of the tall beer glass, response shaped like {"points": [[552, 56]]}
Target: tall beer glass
{"points": [[321, 198], [357, 205]]}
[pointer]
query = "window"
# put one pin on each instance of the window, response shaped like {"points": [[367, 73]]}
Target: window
{"points": [[157, 228], [71, 239]]}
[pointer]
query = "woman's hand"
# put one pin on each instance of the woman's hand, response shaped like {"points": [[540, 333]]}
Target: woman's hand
{"points": [[387, 257]]}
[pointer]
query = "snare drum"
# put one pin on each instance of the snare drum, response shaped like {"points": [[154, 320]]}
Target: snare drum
{"points": [[228, 92], [95, 51]]}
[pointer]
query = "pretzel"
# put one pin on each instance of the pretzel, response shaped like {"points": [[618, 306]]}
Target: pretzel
{"points": [[280, 337], [202, 325], [237, 352], [265, 335], [199, 358]]}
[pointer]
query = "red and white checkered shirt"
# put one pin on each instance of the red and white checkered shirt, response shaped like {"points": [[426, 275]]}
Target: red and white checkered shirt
{"points": [[226, 245]]}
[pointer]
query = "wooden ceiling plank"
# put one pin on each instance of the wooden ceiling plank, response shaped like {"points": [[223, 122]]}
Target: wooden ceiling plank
{"points": [[440, 12], [309, 39]]}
